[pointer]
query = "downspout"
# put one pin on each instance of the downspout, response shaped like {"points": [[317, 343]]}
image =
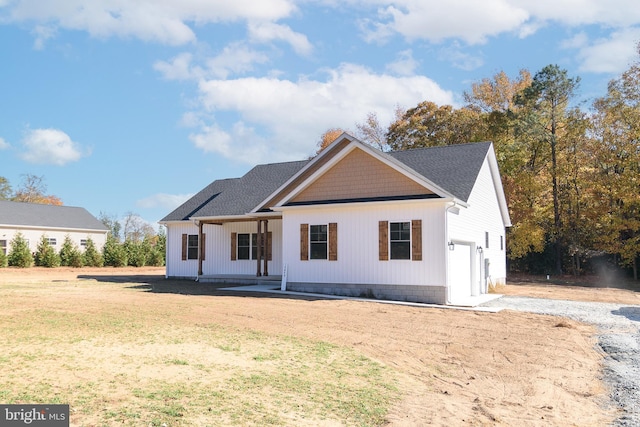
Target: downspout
{"points": [[446, 257]]}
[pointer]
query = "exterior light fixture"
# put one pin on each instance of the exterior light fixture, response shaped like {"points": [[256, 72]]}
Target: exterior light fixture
{"points": [[452, 246], [479, 249]]}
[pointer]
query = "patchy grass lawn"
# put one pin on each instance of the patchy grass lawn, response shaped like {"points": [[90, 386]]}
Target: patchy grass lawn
{"points": [[142, 362]]}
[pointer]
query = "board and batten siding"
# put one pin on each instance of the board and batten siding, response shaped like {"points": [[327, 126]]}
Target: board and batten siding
{"points": [[217, 258], [482, 216], [358, 246]]}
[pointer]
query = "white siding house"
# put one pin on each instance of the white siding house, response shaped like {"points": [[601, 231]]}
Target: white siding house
{"points": [[424, 225], [34, 220]]}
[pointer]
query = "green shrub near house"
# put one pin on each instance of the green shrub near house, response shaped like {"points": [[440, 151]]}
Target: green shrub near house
{"points": [[3, 260], [46, 255], [70, 255], [91, 256], [114, 254], [20, 254]]}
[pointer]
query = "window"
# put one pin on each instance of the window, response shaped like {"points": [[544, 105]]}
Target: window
{"points": [[52, 242], [192, 246], [248, 246], [501, 243], [83, 242], [318, 241], [400, 240], [3, 246], [244, 246]]}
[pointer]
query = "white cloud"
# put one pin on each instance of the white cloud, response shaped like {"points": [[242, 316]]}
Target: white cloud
{"points": [[460, 59], [295, 113], [42, 34], [471, 21], [163, 200], [50, 146], [265, 32], [475, 21], [179, 68], [236, 58], [3, 144], [608, 55], [241, 143], [404, 65], [611, 13], [163, 21]]}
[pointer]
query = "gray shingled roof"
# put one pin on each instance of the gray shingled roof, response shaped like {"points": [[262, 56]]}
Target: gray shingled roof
{"points": [[37, 215], [454, 168], [237, 196]]}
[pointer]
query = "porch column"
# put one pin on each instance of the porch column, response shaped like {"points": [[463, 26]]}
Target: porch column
{"points": [[258, 238], [200, 248], [265, 245]]}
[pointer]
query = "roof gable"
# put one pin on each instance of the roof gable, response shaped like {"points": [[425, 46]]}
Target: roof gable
{"points": [[358, 175], [19, 214]]}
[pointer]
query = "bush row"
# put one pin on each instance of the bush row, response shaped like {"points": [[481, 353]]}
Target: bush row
{"points": [[114, 253]]}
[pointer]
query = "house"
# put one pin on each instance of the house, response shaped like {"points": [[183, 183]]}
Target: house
{"points": [[423, 225], [35, 220]]}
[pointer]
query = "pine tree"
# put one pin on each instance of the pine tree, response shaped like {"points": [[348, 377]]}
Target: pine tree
{"points": [[20, 255], [46, 255], [91, 257], [70, 255]]}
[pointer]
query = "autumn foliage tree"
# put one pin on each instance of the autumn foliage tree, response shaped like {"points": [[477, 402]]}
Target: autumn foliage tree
{"points": [[32, 190], [328, 137], [617, 170]]}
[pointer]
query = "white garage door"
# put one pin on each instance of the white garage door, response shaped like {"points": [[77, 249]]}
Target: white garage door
{"points": [[460, 273]]}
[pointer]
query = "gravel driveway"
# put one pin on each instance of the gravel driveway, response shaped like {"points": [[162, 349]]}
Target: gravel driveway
{"points": [[618, 336]]}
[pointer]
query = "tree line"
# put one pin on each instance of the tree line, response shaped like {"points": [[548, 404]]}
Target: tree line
{"points": [[570, 170]]}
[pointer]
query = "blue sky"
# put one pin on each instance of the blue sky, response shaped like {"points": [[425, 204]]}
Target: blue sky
{"points": [[133, 106]]}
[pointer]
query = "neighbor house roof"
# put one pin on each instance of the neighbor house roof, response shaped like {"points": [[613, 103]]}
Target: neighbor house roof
{"points": [[18, 214], [453, 168]]}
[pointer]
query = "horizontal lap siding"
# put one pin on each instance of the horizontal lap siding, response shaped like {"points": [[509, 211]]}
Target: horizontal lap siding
{"points": [[34, 235], [358, 245]]}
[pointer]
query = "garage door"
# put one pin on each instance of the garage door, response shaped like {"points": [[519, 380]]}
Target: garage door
{"points": [[460, 273]]}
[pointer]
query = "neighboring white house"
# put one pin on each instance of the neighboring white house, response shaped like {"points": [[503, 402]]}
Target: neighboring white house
{"points": [[424, 225], [34, 220]]}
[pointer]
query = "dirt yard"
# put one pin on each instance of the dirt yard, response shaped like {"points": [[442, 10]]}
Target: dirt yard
{"points": [[454, 367]]}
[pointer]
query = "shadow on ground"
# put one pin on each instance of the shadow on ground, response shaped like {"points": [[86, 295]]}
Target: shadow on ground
{"points": [[631, 313], [160, 285]]}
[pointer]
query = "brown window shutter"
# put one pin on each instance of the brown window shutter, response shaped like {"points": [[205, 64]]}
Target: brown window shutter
{"points": [[383, 240], [269, 245], [234, 243], [333, 241], [203, 247], [184, 247], [416, 239], [304, 242]]}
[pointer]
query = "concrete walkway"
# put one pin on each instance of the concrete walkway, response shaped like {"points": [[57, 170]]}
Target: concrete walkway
{"points": [[471, 304]]}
